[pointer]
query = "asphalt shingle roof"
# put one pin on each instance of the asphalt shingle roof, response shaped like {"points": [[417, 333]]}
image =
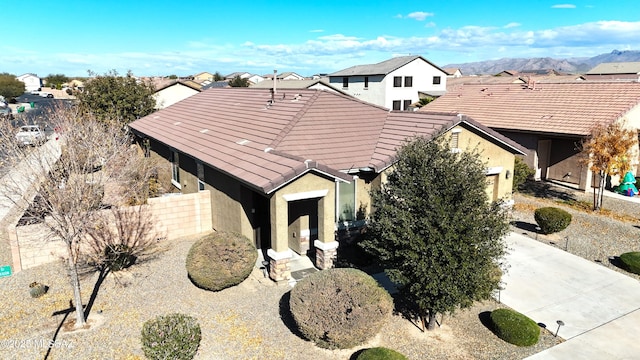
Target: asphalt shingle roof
{"points": [[560, 108], [381, 68], [265, 145]]}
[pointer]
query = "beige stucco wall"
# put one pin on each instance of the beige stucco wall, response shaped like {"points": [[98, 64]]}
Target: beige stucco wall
{"points": [[309, 185]]}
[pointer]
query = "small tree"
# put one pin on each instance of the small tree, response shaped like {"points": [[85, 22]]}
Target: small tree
{"points": [[239, 82], [217, 76], [73, 179], [10, 87], [608, 152], [434, 230], [56, 81], [119, 99]]}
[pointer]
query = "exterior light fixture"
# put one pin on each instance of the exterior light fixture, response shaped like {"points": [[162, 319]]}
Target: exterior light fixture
{"points": [[507, 175]]}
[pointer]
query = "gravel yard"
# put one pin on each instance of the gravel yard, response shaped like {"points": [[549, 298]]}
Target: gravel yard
{"points": [[250, 321]]}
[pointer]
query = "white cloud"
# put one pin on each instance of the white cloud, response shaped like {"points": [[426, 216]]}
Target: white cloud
{"points": [[512, 25], [316, 31], [419, 15], [563, 6], [430, 24]]}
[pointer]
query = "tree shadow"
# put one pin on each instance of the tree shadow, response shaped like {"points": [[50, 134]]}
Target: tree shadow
{"points": [[546, 190], [102, 275], [408, 310], [66, 313], [287, 317]]}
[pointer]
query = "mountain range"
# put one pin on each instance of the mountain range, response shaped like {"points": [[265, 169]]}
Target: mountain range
{"points": [[570, 65]]}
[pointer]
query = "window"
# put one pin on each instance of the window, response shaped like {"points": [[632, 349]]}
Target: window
{"points": [[396, 104], [455, 140], [406, 104], [366, 82], [345, 82], [436, 80], [408, 81], [175, 169], [397, 81], [200, 169], [346, 211]]}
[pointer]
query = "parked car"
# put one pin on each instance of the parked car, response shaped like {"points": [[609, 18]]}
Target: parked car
{"points": [[31, 135], [35, 92], [46, 94], [5, 112]]}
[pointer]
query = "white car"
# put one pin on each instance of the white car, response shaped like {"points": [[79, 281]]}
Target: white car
{"points": [[31, 135], [46, 94]]}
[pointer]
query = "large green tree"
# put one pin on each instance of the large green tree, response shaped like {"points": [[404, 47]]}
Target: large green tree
{"points": [[239, 82], [10, 87], [114, 98], [55, 81], [434, 230]]}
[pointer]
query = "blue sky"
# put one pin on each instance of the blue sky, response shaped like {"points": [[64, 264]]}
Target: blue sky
{"points": [[162, 37]]}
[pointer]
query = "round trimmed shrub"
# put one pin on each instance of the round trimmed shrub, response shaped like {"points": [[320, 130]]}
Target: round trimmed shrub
{"points": [[552, 219], [221, 260], [514, 327], [631, 261], [174, 336], [380, 353], [339, 308]]}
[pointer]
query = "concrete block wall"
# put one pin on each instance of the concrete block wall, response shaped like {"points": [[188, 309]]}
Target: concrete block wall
{"points": [[175, 217]]}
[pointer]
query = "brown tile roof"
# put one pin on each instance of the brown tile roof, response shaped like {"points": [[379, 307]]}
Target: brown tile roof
{"points": [[560, 108], [266, 146]]}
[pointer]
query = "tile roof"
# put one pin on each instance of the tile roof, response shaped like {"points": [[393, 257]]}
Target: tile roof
{"points": [[616, 68], [381, 68], [266, 146], [559, 108]]}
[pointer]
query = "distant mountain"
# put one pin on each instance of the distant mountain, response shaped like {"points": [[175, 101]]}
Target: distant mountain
{"points": [[572, 65]]}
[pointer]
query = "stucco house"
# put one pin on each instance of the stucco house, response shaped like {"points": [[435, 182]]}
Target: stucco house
{"points": [[288, 170], [453, 72], [289, 75], [317, 84], [174, 91], [31, 81], [252, 78], [394, 83], [203, 78], [549, 119], [615, 71]]}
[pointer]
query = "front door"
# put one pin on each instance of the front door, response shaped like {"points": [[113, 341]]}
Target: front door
{"points": [[544, 154]]}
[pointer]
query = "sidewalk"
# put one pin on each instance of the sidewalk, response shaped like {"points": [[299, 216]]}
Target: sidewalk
{"points": [[598, 306]]}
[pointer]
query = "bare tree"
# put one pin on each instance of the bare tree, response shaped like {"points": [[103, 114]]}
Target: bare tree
{"points": [[608, 152], [72, 180]]}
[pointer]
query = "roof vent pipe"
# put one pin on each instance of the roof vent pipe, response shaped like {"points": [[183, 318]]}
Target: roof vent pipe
{"points": [[275, 75]]}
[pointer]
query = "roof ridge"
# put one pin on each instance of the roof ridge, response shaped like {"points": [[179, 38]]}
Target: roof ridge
{"points": [[294, 120]]}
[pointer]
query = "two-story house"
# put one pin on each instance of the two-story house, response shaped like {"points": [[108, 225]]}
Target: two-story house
{"points": [[394, 83], [31, 81]]}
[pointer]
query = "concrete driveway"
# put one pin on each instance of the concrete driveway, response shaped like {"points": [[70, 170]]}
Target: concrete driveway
{"points": [[599, 306]]}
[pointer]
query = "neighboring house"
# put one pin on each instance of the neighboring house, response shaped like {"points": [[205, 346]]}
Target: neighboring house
{"points": [[318, 84], [174, 91], [393, 83], [453, 72], [203, 77], [31, 82], [550, 119], [507, 73], [293, 172], [289, 76], [615, 71], [252, 78]]}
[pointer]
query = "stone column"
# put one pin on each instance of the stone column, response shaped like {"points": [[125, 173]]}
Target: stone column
{"points": [[326, 254], [279, 266]]}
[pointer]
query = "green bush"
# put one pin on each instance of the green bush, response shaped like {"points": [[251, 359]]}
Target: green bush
{"points": [[174, 336], [631, 261], [221, 260], [339, 308], [551, 219], [380, 353], [515, 328], [521, 173]]}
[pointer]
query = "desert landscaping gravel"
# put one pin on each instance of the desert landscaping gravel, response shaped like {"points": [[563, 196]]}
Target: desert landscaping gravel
{"points": [[250, 321]]}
